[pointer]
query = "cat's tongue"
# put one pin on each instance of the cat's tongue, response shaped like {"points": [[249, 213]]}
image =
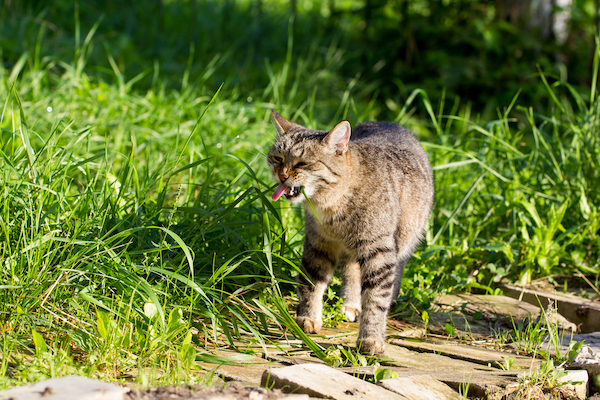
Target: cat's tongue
{"points": [[281, 189]]}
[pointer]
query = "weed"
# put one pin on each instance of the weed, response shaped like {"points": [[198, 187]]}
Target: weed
{"points": [[384, 373], [342, 356], [507, 364], [463, 389], [528, 337], [545, 383], [332, 309]]}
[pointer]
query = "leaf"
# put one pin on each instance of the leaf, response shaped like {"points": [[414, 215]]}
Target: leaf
{"points": [[450, 330], [530, 207], [103, 322], [384, 373], [39, 342], [84, 341], [150, 310], [210, 358], [175, 323], [311, 206]]}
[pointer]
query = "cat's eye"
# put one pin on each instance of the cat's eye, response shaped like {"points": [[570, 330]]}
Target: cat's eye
{"points": [[278, 160], [300, 165]]}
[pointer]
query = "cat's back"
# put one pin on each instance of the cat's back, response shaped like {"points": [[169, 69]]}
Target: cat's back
{"points": [[381, 141], [383, 134]]}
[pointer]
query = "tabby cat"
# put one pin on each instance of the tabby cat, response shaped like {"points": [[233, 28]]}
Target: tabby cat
{"points": [[372, 194]]}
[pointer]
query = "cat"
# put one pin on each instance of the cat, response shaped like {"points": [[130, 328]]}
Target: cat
{"points": [[372, 192]]}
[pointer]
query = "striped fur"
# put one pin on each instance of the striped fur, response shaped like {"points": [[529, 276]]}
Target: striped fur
{"points": [[372, 190]]}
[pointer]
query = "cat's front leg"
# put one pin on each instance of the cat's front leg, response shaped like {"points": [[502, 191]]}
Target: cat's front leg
{"points": [[350, 271], [378, 273], [318, 266]]}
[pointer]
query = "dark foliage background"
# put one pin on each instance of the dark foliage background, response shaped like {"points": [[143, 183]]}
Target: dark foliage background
{"points": [[481, 51]]}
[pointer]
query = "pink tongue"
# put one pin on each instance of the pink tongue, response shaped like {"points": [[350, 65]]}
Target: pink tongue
{"points": [[281, 189]]}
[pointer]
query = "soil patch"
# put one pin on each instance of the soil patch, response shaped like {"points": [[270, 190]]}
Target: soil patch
{"points": [[233, 391]]}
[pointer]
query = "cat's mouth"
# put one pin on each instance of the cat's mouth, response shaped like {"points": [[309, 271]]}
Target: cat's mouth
{"points": [[289, 192]]}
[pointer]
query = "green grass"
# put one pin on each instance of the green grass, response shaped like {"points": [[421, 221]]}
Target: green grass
{"points": [[137, 234]]}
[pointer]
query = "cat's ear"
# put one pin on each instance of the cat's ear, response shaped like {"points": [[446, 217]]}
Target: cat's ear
{"points": [[281, 124], [337, 139]]}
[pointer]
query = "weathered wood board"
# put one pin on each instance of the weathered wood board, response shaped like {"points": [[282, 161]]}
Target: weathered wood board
{"points": [[582, 312]]}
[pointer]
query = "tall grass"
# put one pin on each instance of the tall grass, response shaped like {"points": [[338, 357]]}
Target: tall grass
{"points": [[516, 197], [124, 217], [137, 233]]}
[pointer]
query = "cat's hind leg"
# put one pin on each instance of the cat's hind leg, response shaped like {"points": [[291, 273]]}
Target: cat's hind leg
{"points": [[378, 264], [350, 272], [317, 267]]}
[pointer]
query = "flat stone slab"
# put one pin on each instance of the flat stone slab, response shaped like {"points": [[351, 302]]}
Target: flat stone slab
{"points": [[325, 382], [420, 388], [582, 312], [66, 388]]}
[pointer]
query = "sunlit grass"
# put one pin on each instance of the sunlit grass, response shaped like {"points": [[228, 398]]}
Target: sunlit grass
{"points": [[137, 234]]}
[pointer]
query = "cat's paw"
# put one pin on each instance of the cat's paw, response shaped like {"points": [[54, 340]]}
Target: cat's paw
{"points": [[370, 345], [309, 325], [351, 313]]}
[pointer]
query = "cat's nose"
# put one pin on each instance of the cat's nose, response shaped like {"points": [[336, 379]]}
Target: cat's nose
{"points": [[283, 176]]}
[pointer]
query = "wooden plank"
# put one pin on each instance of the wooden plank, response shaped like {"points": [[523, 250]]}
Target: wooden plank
{"points": [[420, 388], [404, 358], [325, 382], [487, 357], [582, 312], [478, 384]]}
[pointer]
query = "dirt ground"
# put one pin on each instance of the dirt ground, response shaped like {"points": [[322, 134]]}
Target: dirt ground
{"points": [[233, 391]]}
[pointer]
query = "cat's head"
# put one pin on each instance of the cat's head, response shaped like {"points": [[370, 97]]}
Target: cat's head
{"points": [[305, 160]]}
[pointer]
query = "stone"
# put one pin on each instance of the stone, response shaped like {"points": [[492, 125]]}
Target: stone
{"points": [[587, 359], [66, 388], [576, 381], [322, 381], [420, 388]]}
